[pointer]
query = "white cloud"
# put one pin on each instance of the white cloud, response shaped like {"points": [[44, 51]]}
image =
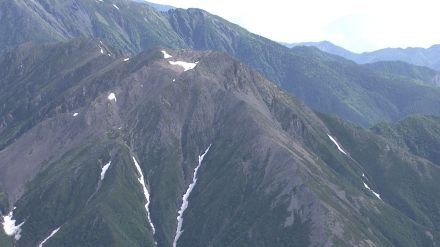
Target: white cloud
{"points": [[354, 24]]}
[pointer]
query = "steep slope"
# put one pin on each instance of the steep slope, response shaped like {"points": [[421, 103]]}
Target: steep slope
{"points": [[418, 134], [324, 82], [125, 24], [327, 83], [257, 167]]}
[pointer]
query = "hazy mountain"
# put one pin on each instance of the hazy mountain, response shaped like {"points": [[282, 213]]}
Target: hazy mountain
{"points": [[429, 57], [327, 47], [325, 82], [94, 136]]}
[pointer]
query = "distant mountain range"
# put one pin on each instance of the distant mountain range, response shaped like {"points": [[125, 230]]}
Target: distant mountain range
{"points": [[429, 57]]}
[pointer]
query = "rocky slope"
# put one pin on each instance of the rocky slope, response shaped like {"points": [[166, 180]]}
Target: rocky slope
{"points": [[102, 148]]}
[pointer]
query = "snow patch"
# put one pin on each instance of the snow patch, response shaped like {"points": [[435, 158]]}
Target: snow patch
{"points": [[185, 65], [126, 59], [75, 114], [185, 198], [9, 226], [100, 47], [336, 143], [146, 193], [104, 169], [116, 6], [372, 191], [166, 55], [50, 236], [111, 97]]}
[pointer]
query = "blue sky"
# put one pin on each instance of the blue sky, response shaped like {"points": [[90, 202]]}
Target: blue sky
{"points": [[353, 24]]}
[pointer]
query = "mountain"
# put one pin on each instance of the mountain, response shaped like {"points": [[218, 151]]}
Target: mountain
{"points": [[325, 82], [393, 68], [128, 25], [159, 7], [101, 149], [418, 134], [325, 46], [414, 55]]}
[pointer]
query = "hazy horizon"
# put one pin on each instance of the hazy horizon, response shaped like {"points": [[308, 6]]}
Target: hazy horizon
{"points": [[355, 26]]}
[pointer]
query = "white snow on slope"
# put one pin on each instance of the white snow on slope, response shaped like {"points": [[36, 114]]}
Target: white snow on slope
{"points": [[336, 143], [100, 47], [75, 114], [166, 55], [126, 59], [116, 6], [50, 236], [146, 193], [104, 169], [185, 65], [372, 191], [368, 188], [9, 226], [185, 198], [112, 96]]}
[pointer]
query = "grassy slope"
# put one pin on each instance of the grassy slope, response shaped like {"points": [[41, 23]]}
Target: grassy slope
{"points": [[91, 213], [406, 182], [418, 134]]}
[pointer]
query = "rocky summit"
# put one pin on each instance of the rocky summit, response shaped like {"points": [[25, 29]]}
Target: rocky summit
{"points": [[184, 148]]}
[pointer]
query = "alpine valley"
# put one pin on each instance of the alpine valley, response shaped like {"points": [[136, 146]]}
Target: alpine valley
{"points": [[123, 125]]}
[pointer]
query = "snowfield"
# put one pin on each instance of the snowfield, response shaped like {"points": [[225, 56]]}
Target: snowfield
{"points": [[9, 226], [185, 198], [337, 144]]}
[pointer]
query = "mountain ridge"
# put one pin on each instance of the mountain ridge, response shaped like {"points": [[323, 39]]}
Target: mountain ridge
{"points": [[324, 82], [426, 57], [272, 172]]}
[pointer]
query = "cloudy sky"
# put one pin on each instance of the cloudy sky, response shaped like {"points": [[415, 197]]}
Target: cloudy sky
{"points": [[357, 25]]}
